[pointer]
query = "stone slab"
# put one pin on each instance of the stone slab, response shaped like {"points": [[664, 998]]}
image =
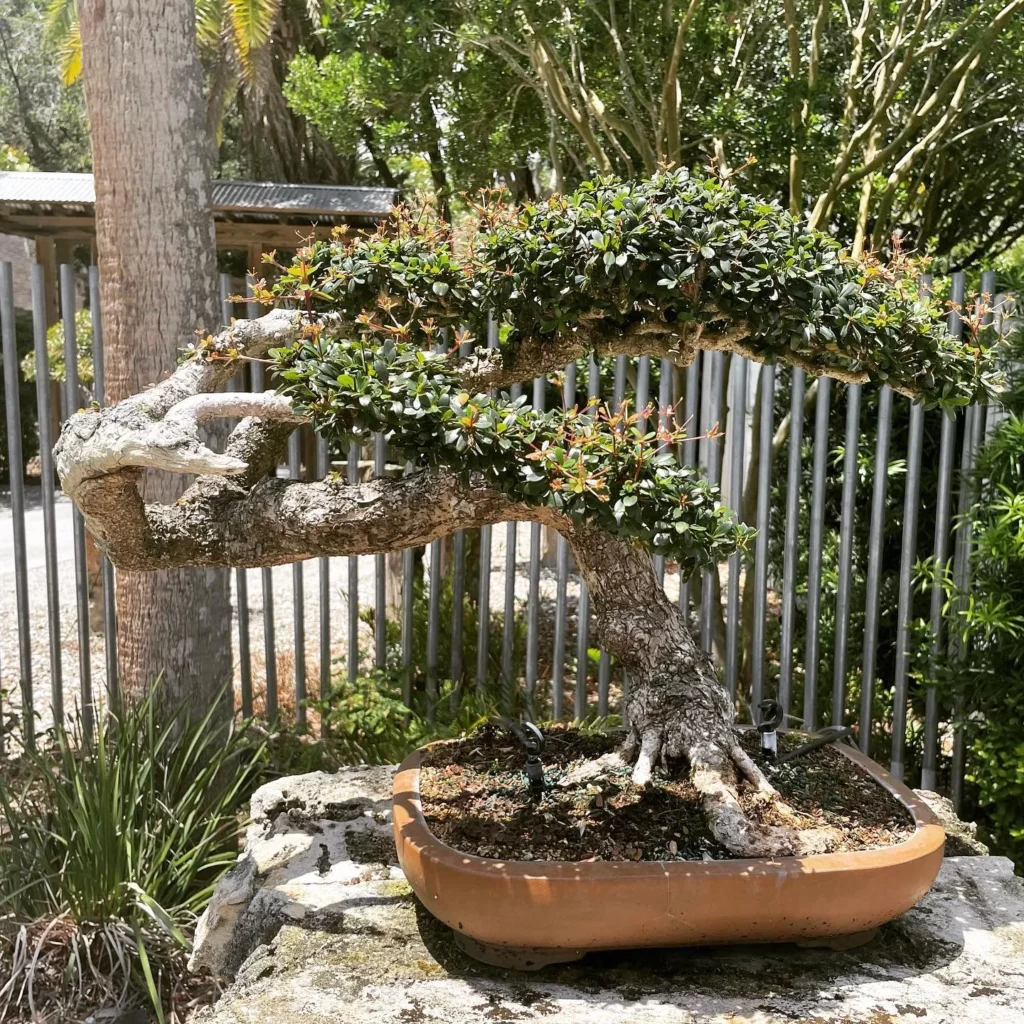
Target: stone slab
{"points": [[318, 925]]}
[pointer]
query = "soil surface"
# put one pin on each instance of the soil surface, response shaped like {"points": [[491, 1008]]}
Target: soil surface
{"points": [[476, 799]]}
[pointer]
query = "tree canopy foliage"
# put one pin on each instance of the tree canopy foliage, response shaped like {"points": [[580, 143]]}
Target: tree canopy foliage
{"points": [[867, 118], [674, 262]]}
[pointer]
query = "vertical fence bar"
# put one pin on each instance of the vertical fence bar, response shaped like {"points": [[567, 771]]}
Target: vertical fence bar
{"points": [[874, 576], [533, 600], [940, 555], [688, 455], [458, 611], [764, 480], [433, 627], [258, 378], [974, 430], [483, 622], [790, 550], [908, 556], [241, 575], [16, 471], [814, 553], [408, 623], [643, 391], [46, 480], [353, 580], [713, 464], [845, 575], [973, 427], [583, 607], [940, 551], [73, 400], [738, 426], [106, 566], [298, 596], [323, 466], [562, 572], [455, 670], [664, 401], [380, 569], [508, 634]]}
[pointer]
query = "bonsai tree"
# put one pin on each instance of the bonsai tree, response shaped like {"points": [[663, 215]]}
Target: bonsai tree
{"points": [[366, 337]]}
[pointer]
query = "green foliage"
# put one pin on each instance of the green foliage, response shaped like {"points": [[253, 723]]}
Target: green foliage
{"points": [[55, 351], [38, 115], [26, 397], [674, 250], [592, 465], [365, 721], [983, 669], [121, 838], [399, 85]]}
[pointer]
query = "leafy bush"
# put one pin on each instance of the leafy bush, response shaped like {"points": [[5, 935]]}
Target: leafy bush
{"points": [[365, 721], [109, 849], [26, 397], [55, 351], [991, 677]]}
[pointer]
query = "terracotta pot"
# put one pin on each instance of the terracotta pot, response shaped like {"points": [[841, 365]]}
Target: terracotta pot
{"points": [[561, 910]]}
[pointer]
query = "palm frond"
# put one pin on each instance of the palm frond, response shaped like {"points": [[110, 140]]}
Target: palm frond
{"points": [[209, 23], [252, 23], [60, 28]]}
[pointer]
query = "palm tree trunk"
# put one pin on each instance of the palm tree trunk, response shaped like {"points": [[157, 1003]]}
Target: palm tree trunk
{"points": [[155, 237]]}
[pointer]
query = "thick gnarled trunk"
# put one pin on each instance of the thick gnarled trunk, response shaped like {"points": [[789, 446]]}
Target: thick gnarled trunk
{"points": [[155, 240]]}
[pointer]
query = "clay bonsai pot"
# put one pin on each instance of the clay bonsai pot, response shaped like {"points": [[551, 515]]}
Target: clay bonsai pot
{"points": [[528, 913]]}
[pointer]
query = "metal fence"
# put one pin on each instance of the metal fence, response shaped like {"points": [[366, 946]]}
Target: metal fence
{"points": [[518, 584]]}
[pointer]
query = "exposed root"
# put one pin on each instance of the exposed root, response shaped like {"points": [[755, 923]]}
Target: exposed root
{"points": [[714, 774], [716, 768]]}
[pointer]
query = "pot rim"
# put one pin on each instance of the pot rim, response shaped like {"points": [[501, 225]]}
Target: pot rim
{"points": [[927, 836]]}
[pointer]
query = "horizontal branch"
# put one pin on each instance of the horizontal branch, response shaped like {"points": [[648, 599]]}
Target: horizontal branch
{"points": [[223, 523]]}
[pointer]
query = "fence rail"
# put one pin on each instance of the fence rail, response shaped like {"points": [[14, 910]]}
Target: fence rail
{"points": [[762, 616]]}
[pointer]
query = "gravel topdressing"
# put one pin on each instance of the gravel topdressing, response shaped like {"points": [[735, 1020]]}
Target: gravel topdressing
{"points": [[475, 799]]}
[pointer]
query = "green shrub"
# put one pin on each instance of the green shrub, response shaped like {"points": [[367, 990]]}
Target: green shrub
{"points": [[109, 849], [55, 351], [26, 398], [988, 683]]}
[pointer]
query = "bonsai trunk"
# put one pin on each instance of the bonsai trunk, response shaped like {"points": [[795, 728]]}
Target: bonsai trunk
{"points": [[676, 707]]}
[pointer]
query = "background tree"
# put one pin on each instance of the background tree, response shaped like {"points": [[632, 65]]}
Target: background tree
{"points": [[399, 85], [38, 115], [867, 118], [245, 47], [155, 238], [664, 267]]}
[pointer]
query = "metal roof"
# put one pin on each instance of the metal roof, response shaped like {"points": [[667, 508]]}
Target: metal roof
{"points": [[26, 188]]}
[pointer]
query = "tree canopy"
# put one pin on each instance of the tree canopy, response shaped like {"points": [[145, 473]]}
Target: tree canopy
{"points": [[867, 118], [665, 266]]}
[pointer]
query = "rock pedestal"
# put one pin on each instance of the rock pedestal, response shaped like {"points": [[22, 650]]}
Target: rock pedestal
{"points": [[316, 924]]}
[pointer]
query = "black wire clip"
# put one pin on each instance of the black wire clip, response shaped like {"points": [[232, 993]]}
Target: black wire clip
{"points": [[771, 719], [532, 741]]}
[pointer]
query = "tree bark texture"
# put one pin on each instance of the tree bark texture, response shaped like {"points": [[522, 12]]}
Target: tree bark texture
{"points": [[155, 237], [237, 515]]}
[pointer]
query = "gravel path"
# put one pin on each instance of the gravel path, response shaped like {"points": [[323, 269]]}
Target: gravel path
{"points": [[284, 612]]}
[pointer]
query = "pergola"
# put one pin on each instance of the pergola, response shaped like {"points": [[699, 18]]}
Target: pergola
{"points": [[57, 211]]}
